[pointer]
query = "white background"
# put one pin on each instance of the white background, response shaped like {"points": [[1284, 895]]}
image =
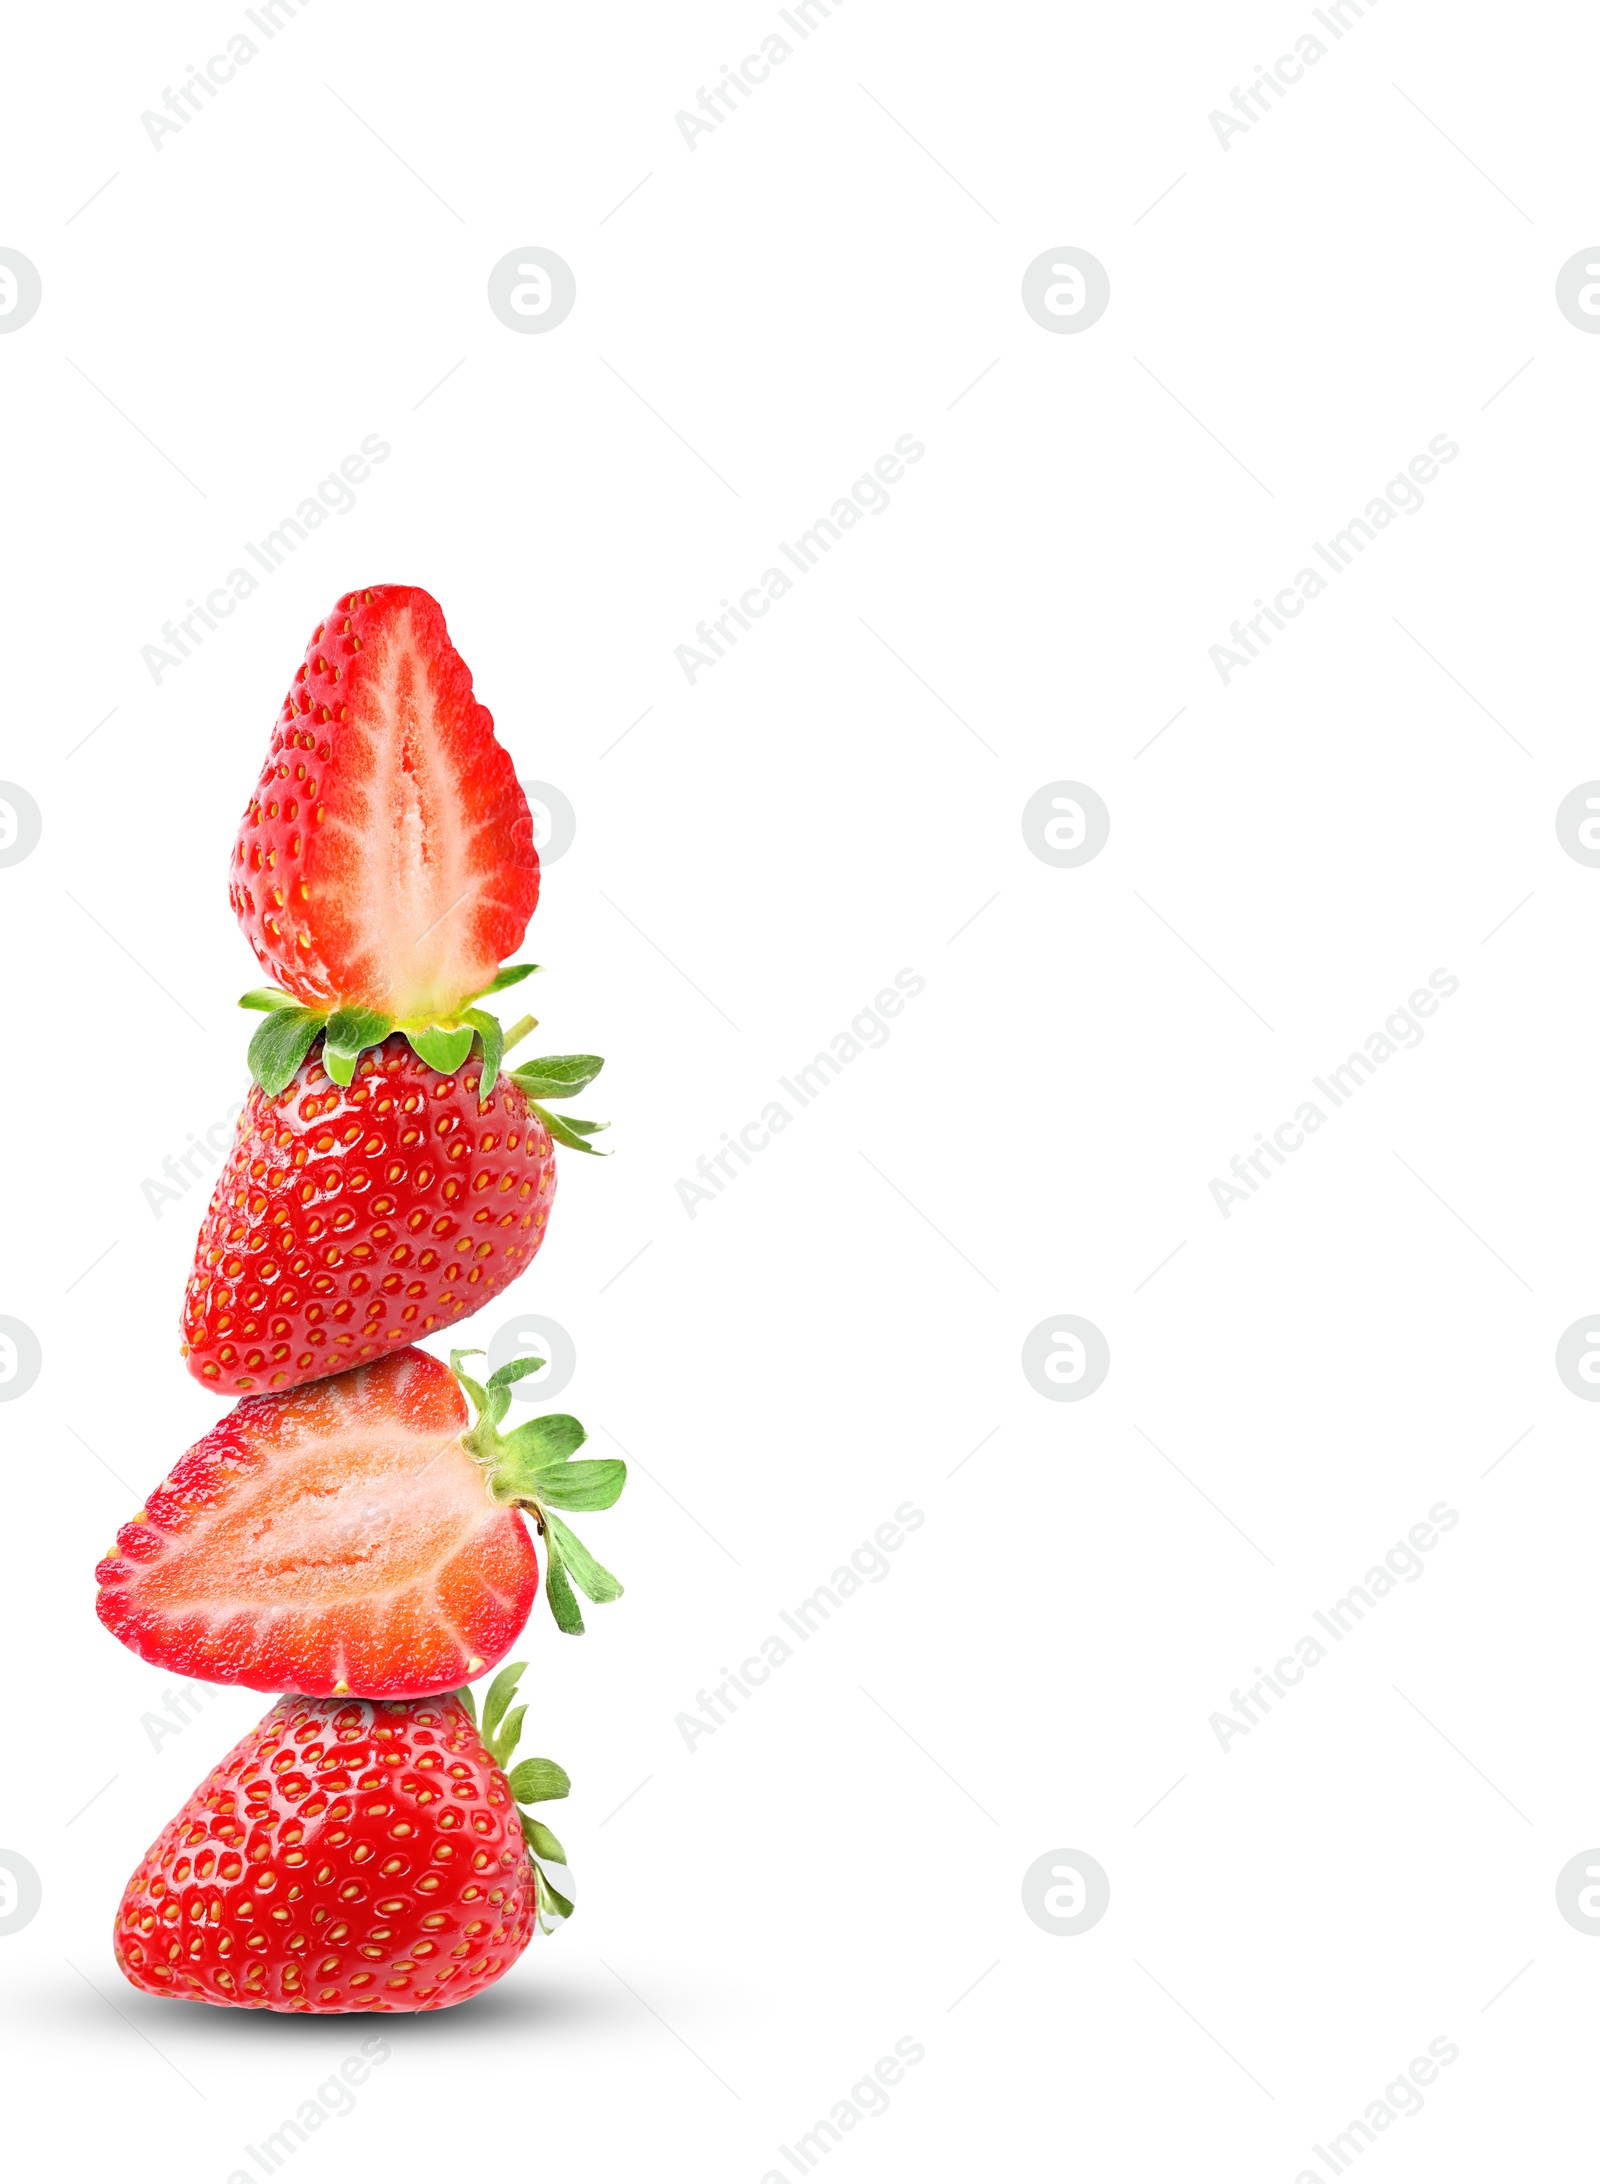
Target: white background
{"points": [[759, 854]]}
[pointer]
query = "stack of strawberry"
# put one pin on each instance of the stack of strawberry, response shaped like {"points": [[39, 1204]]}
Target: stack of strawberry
{"points": [[347, 1534]]}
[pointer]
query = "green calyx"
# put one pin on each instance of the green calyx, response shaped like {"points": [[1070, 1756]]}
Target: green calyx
{"points": [[531, 1468], [533, 1782], [290, 1030]]}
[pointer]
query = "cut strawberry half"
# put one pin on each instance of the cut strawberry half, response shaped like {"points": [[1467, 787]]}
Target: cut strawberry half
{"points": [[386, 859], [358, 1536]]}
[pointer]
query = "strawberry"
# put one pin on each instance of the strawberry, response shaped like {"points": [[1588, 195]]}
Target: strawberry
{"points": [[348, 1855], [386, 858], [358, 1536], [371, 1196]]}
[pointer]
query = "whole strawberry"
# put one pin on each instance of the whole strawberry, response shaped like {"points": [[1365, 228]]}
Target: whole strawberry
{"points": [[370, 1198], [350, 1855]]}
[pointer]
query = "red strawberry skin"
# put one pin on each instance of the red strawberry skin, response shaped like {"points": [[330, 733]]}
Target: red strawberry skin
{"points": [[386, 857], [335, 1538], [351, 1219], [346, 1855]]}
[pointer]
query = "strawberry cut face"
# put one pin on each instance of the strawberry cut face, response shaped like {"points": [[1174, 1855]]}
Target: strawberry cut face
{"points": [[386, 858], [335, 1538]]}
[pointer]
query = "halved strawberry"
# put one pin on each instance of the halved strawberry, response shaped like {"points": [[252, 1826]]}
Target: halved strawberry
{"points": [[386, 859], [357, 1535]]}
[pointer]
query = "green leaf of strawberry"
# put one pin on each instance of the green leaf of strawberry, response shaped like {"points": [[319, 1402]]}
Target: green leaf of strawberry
{"points": [[563, 1604], [281, 1045], [518, 1368], [505, 1742], [597, 1582], [543, 1441], [268, 998], [531, 1781], [498, 1697], [530, 1468], [442, 1047], [583, 1486], [558, 1076], [550, 1897], [565, 1133], [537, 1781], [349, 1032], [472, 1387], [493, 1042], [541, 1839], [511, 974]]}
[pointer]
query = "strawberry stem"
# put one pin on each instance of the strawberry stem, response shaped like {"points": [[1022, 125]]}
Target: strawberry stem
{"points": [[531, 1468], [530, 1781]]}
